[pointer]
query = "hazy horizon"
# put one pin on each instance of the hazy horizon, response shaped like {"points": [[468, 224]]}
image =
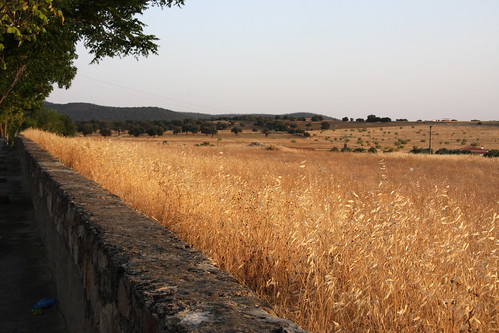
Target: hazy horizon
{"points": [[419, 60]]}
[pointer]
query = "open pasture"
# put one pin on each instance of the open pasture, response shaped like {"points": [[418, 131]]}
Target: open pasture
{"points": [[337, 242], [396, 136]]}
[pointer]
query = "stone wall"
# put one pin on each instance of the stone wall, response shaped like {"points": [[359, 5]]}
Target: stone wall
{"points": [[119, 271]]}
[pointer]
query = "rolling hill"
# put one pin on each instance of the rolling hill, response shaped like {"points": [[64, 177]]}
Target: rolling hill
{"points": [[88, 111]]}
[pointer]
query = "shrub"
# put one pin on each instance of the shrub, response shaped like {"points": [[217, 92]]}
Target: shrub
{"points": [[419, 151], [204, 144], [372, 150], [492, 153]]}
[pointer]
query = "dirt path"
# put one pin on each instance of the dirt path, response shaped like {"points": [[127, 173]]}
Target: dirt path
{"points": [[24, 274]]}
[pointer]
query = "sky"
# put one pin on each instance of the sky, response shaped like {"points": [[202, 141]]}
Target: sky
{"points": [[424, 59]]}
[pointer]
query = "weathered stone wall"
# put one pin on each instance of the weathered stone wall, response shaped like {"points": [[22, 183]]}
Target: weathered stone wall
{"points": [[119, 271]]}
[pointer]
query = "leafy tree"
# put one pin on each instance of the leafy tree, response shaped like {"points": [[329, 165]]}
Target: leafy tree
{"points": [[21, 22], [208, 129], [345, 119], [26, 81], [38, 38], [177, 129], [221, 126], [136, 131], [236, 130], [87, 129], [105, 132], [48, 120], [325, 125], [190, 127]]}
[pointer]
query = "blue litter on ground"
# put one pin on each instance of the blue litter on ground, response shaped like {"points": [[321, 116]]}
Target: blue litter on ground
{"points": [[44, 303]]}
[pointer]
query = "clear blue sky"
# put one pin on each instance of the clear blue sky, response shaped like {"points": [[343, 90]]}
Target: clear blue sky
{"points": [[424, 59]]}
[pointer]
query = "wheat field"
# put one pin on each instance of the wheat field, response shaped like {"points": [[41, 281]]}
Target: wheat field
{"points": [[336, 242]]}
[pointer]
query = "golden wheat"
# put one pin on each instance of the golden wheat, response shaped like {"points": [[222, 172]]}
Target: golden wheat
{"points": [[336, 242]]}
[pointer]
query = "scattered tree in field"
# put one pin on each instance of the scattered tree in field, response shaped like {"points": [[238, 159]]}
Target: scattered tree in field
{"points": [[136, 131], [209, 129], [325, 125], [236, 130], [87, 129], [345, 119], [373, 119], [105, 132]]}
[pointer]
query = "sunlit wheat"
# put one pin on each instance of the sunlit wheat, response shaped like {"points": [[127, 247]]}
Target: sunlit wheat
{"points": [[336, 242]]}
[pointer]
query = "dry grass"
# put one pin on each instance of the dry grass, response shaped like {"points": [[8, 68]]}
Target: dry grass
{"points": [[400, 137], [337, 242]]}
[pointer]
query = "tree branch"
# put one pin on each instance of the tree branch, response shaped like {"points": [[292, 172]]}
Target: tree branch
{"points": [[17, 77]]}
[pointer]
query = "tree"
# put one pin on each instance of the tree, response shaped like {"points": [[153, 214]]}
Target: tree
{"points": [[236, 130], [105, 132], [38, 38], [87, 129], [136, 131], [48, 120], [345, 119], [221, 126], [21, 22], [26, 81], [208, 129], [325, 125]]}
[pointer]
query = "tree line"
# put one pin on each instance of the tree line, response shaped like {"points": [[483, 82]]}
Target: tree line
{"points": [[191, 126]]}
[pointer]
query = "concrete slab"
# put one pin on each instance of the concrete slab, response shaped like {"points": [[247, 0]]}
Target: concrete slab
{"points": [[25, 277]]}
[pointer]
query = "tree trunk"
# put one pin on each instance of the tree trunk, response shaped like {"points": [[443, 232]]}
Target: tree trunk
{"points": [[17, 77]]}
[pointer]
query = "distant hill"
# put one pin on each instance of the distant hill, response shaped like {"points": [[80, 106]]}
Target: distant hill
{"points": [[88, 111]]}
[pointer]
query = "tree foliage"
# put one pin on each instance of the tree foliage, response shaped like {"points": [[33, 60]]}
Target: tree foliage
{"points": [[38, 38]]}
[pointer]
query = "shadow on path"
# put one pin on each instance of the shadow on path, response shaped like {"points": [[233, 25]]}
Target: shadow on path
{"points": [[25, 276]]}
